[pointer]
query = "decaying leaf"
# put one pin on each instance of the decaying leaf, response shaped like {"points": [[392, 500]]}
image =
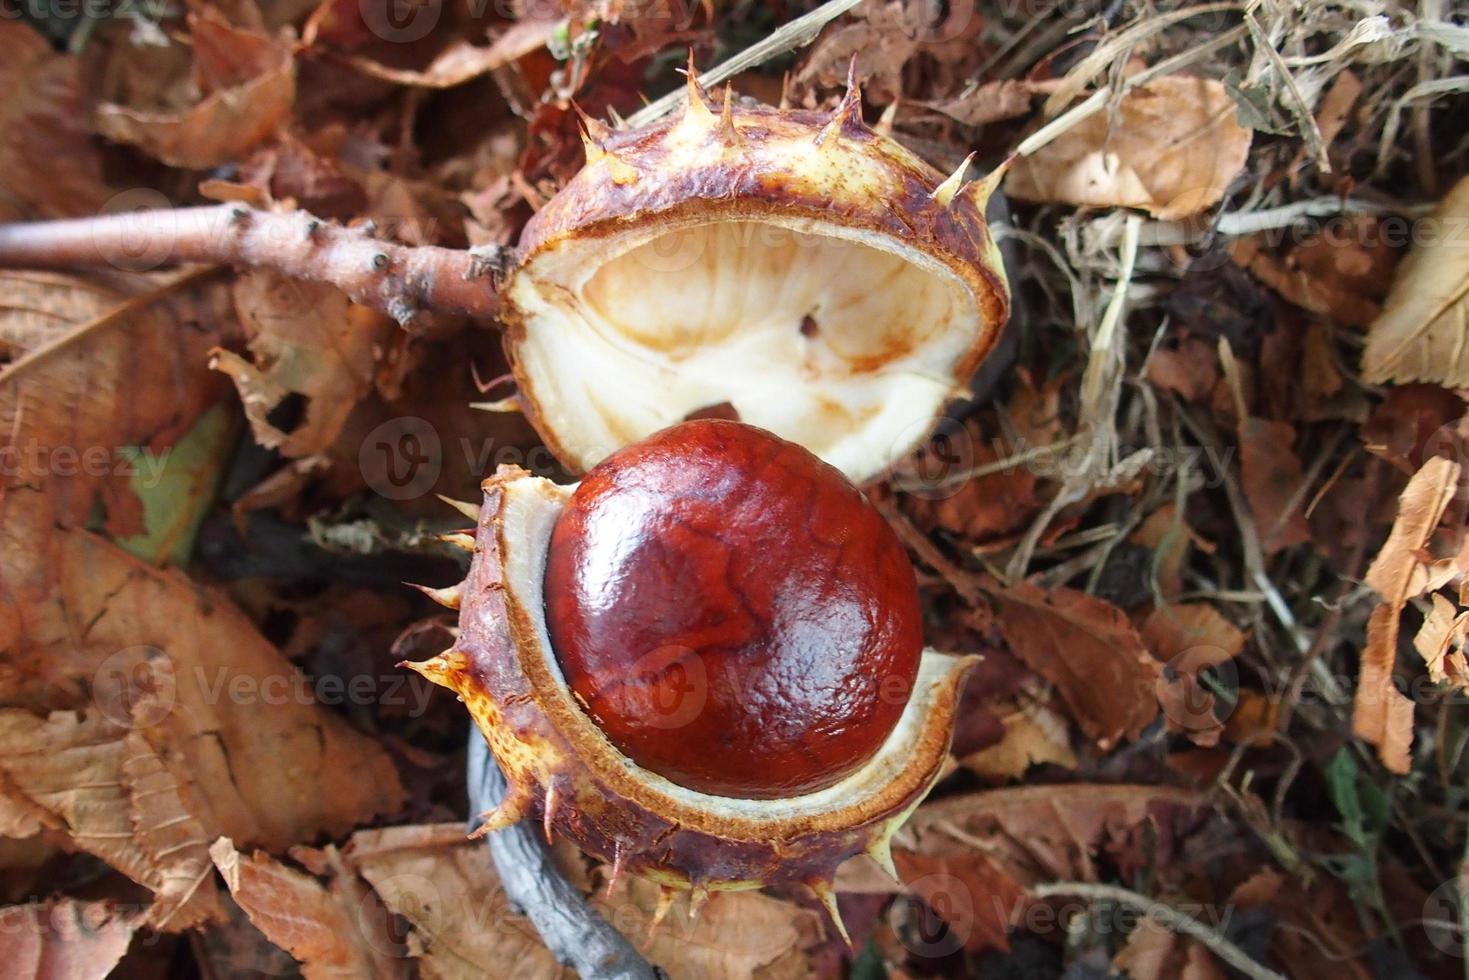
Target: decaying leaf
{"points": [[1004, 98], [444, 886], [63, 939], [243, 103], [973, 856], [1440, 641], [735, 936], [1337, 277], [1155, 952], [1172, 149], [1423, 332], [135, 683], [1088, 649], [323, 927], [1034, 734], [1189, 638], [308, 340], [111, 792], [48, 166], [1382, 714], [1403, 570], [463, 61]]}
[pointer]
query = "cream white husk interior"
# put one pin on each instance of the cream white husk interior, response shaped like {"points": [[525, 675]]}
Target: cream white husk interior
{"points": [[843, 340]]}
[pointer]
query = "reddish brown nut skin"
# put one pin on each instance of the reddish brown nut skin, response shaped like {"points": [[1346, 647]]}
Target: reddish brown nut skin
{"points": [[732, 613]]}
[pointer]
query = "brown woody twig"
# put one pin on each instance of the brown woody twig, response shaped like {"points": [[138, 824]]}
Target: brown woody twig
{"points": [[398, 279]]}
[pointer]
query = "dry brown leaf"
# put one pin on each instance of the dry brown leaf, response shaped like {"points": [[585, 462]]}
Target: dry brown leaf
{"points": [[1414, 422], [1273, 482], [63, 939], [1381, 714], [1034, 734], [982, 508], [1165, 533], [322, 928], [1440, 642], [1004, 98], [85, 626], [881, 36], [307, 339], [114, 796], [973, 856], [736, 936], [252, 92], [1423, 332], [43, 307], [1189, 638], [1191, 369], [1402, 570], [444, 886], [1336, 107], [48, 165], [463, 61], [1155, 952], [1338, 277], [1172, 149], [261, 760], [1088, 649]]}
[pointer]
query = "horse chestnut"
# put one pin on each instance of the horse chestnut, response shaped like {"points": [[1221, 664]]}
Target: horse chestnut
{"points": [[732, 612]]}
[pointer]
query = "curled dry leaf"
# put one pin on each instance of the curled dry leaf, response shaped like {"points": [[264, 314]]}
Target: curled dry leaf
{"points": [[48, 166], [323, 927], [309, 340], [1172, 148], [1440, 641], [1423, 332], [1402, 571], [248, 86], [882, 36], [1088, 649], [63, 939]]}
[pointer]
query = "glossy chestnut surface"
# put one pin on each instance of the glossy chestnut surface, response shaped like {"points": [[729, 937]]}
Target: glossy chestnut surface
{"points": [[731, 612]]}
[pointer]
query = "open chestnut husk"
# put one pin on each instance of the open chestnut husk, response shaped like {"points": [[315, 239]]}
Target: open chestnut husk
{"points": [[739, 572], [799, 269]]}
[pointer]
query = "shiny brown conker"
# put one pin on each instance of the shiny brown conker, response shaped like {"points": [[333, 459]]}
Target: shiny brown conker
{"points": [[731, 612]]}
